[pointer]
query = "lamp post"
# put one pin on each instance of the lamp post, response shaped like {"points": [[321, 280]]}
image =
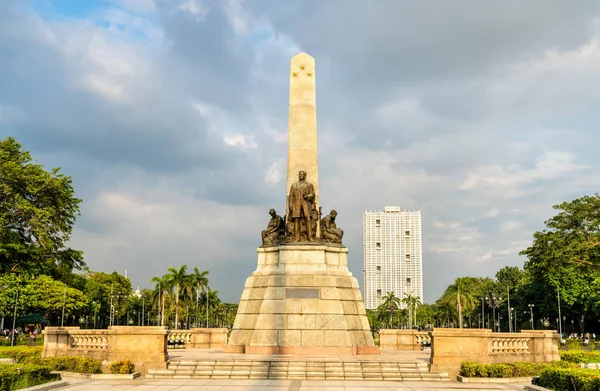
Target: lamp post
{"points": [[572, 327], [559, 324], [62, 319], [508, 308], [12, 338], [531, 314], [494, 302], [207, 293], [482, 312]]}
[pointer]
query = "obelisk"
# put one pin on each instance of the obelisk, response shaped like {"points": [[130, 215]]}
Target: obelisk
{"points": [[302, 125], [302, 299]]}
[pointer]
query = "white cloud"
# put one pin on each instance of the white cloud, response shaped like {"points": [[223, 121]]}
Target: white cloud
{"points": [[511, 225], [493, 212], [275, 172], [195, 8], [240, 140], [551, 165]]}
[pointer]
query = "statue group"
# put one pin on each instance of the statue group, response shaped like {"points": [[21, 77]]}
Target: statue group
{"points": [[300, 222]]}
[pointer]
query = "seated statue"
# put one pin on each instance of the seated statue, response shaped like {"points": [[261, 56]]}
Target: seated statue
{"points": [[275, 230], [329, 231]]}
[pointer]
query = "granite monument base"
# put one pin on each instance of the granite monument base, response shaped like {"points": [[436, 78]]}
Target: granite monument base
{"points": [[302, 299]]}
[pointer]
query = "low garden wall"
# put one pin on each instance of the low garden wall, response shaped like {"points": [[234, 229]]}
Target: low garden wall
{"points": [[450, 347], [403, 339], [201, 338], [145, 346]]}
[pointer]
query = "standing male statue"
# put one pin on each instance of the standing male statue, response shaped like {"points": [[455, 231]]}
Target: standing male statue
{"points": [[300, 200]]}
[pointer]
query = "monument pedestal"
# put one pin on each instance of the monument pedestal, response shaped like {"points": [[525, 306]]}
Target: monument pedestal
{"points": [[302, 299]]}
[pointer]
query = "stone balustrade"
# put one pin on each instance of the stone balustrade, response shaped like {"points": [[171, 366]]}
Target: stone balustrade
{"points": [[502, 343], [145, 346], [403, 339], [201, 338], [450, 347]]}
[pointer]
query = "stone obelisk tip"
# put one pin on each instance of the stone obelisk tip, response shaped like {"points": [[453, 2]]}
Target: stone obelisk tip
{"points": [[303, 55]]}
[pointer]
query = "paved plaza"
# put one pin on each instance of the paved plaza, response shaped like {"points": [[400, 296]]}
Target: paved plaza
{"points": [[278, 385]]}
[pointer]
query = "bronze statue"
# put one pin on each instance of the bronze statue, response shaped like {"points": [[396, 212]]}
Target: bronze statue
{"points": [[329, 230], [275, 230], [300, 200]]}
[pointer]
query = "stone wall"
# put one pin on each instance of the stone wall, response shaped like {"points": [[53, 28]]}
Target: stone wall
{"points": [[402, 339], [146, 347], [450, 347], [202, 338]]}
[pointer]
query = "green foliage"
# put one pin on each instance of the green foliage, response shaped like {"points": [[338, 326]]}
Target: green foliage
{"points": [[72, 364], [37, 213], [570, 379], [22, 354], [41, 294], [517, 369], [33, 356], [17, 376], [580, 356], [123, 367], [99, 287]]}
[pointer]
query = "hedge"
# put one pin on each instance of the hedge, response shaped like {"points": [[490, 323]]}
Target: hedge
{"points": [[22, 354], [72, 364], [123, 367], [33, 355], [570, 379], [17, 376], [518, 369], [580, 356]]}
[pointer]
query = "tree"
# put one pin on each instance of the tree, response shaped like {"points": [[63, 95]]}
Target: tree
{"points": [[100, 286], [564, 257], [160, 289], [200, 279], [411, 302], [463, 295], [390, 303], [177, 278], [572, 237], [41, 295], [37, 213], [509, 276]]}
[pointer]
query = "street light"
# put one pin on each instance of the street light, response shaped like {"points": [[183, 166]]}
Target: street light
{"points": [[482, 313], [62, 319], [494, 303], [531, 314], [12, 338]]}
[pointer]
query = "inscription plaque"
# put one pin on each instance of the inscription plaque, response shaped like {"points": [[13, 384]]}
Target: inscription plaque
{"points": [[302, 293]]}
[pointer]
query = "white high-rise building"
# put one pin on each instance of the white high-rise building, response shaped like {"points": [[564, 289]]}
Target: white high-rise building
{"points": [[393, 254]]}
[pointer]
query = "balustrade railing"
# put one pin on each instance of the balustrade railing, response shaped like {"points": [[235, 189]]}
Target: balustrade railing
{"points": [[502, 345], [178, 339], [91, 341]]}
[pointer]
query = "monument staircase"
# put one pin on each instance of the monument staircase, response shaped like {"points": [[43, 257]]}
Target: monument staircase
{"points": [[295, 369]]}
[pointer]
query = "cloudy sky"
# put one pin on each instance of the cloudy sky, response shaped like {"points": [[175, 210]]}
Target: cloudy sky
{"points": [[171, 117]]}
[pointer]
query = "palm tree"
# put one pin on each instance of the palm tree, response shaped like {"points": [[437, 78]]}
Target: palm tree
{"points": [[199, 279], [176, 278], [461, 293], [213, 302], [411, 302], [416, 303], [161, 287], [390, 302]]}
